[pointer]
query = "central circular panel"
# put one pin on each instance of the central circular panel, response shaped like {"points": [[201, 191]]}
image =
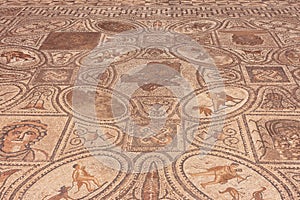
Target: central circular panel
{"points": [[136, 82]]}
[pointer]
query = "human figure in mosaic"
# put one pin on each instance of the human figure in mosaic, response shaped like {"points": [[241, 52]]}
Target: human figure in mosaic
{"points": [[16, 141], [222, 174], [82, 177]]}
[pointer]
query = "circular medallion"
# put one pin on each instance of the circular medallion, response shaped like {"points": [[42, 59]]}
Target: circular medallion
{"points": [[20, 58]]}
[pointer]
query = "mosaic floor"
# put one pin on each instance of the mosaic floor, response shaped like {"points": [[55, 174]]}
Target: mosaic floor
{"points": [[148, 100]]}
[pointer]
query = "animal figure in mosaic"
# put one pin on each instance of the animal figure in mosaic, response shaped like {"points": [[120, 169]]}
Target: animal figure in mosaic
{"points": [[233, 193], [267, 75], [203, 109], [63, 194], [220, 98], [17, 55], [258, 195]]}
